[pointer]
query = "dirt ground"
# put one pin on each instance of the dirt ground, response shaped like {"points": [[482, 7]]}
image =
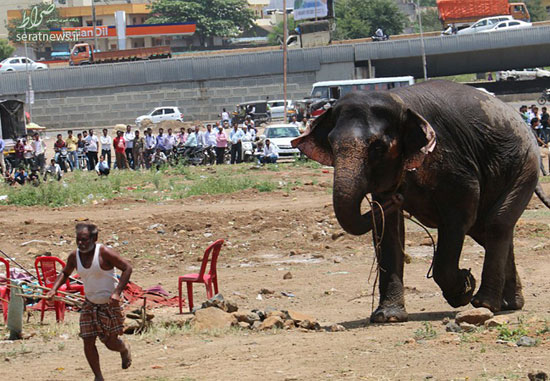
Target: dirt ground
{"points": [[267, 235]]}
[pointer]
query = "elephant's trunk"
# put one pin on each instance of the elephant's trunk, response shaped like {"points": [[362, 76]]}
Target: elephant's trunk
{"points": [[350, 187]]}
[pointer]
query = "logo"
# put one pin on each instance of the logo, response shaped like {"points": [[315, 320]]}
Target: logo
{"points": [[35, 19]]}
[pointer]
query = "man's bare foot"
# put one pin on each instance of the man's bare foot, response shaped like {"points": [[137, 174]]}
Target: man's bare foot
{"points": [[126, 356]]}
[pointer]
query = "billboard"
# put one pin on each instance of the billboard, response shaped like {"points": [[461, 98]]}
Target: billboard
{"points": [[312, 9]]}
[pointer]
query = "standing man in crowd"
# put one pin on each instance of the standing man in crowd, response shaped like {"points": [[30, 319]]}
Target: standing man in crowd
{"points": [[2, 163], [138, 150], [129, 138], [225, 116], [161, 144], [170, 141], [545, 122], [120, 151], [221, 145], [106, 143], [71, 142], [92, 147], [150, 144], [101, 315], [57, 146], [39, 148], [235, 136]]}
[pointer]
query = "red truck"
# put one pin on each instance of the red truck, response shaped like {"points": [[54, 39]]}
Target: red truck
{"points": [[465, 12], [83, 54]]}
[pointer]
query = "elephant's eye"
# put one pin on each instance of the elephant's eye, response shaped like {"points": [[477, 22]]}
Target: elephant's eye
{"points": [[377, 149]]}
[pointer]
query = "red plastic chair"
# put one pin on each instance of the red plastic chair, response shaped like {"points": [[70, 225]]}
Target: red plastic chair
{"points": [[208, 279], [47, 274], [5, 290]]}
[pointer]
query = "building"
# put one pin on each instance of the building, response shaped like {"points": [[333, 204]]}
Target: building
{"points": [[258, 6]]}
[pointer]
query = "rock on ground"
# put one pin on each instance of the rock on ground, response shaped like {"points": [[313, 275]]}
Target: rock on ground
{"points": [[475, 316], [271, 322], [497, 321], [212, 318]]}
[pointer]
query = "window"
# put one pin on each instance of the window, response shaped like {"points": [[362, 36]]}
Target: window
{"points": [[320, 92], [14, 61], [157, 112], [513, 23], [481, 23], [168, 111], [335, 92]]}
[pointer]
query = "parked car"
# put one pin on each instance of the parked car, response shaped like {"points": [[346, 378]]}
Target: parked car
{"points": [[21, 63], [508, 25], [281, 135], [484, 24], [518, 75], [278, 106], [160, 114]]}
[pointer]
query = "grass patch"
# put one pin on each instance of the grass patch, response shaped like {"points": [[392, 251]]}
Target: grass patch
{"points": [[168, 183], [427, 332], [506, 333]]}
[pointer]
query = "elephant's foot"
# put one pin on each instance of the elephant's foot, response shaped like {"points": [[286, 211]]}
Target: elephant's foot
{"points": [[512, 300], [488, 300], [466, 284], [389, 314]]}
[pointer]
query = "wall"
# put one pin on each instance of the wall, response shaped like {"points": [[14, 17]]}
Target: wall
{"points": [[198, 100]]}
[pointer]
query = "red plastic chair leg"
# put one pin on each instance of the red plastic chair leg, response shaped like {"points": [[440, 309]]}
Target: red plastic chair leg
{"points": [[215, 281], [5, 312], [208, 290], [190, 295], [180, 302], [42, 310]]}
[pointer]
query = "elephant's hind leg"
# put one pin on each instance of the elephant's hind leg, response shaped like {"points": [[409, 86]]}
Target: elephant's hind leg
{"points": [[512, 296]]}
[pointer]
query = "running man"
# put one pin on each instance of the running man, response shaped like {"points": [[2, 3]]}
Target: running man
{"points": [[101, 315]]}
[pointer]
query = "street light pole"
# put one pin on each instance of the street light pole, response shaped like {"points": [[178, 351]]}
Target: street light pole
{"points": [[422, 47], [30, 96], [94, 26], [285, 52]]}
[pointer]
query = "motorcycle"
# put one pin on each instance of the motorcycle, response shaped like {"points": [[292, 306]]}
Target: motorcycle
{"points": [[544, 97], [63, 159], [82, 159]]}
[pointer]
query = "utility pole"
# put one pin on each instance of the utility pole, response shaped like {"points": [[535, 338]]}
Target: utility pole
{"points": [[285, 52], [94, 26], [423, 48], [30, 93]]}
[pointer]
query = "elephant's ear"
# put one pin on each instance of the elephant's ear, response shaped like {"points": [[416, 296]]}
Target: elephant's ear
{"points": [[314, 141], [418, 139]]}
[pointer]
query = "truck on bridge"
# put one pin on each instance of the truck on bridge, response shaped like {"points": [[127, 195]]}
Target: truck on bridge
{"points": [[462, 13], [84, 54]]}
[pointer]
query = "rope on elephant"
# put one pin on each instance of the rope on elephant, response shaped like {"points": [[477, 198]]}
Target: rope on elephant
{"points": [[376, 243], [429, 275]]}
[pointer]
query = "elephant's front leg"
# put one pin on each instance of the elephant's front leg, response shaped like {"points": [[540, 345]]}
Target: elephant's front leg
{"points": [[392, 300], [458, 285]]}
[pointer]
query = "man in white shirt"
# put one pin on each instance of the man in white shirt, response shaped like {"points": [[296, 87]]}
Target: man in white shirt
{"points": [[270, 154], [92, 143], [129, 136], [225, 116], [53, 170], [150, 144], [106, 144], [39, 148], [102, 168], [199, 135], [235, 136], [170, 141]]}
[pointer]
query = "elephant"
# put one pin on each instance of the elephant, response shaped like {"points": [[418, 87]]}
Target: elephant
{"points": [[455, 158]]}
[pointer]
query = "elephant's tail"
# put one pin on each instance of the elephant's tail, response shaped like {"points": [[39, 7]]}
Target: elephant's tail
{"points": [[543, 197]]}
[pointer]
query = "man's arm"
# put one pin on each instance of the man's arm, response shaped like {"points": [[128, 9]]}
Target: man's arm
{"points": [[64, 275], [112, 258]]}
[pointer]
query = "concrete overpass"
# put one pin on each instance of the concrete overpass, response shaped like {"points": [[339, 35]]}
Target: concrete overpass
{"points": [[201, 84]]}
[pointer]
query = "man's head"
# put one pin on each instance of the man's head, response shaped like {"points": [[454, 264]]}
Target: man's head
{"points": [[225, 124], [91, 132], [36, 136], [70, 133], [79, 136], [21, 170], [209, 127], [59, 137], [161, 130], [534, 122], [128, 128], [294, 118], [197, 128], [267, 142], [52, 161], [136, 133], [169, 131], [182, 130], [544, 109], [105, 132], [101, 158], [86, 237], [84, 133], [119, 133]]}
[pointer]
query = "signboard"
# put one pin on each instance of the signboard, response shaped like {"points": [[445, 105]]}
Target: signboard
{"points": [[104, 31], [310, 9]]}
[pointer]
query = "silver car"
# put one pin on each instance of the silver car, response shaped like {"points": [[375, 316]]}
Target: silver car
{"points": [[21, 64], [484, 24]]}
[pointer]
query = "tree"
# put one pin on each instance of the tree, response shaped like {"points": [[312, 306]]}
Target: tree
{"points": [[427, 3], [214, 18], [6, 50], [276, 36], [536, 10], [430, 21], [361, 18]]}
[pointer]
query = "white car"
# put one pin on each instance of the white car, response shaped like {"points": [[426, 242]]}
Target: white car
{"points": [[282, 135], [277, 108], [513, 75], [508, 25], [160, 114], [484, 24], [21, 64]]}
